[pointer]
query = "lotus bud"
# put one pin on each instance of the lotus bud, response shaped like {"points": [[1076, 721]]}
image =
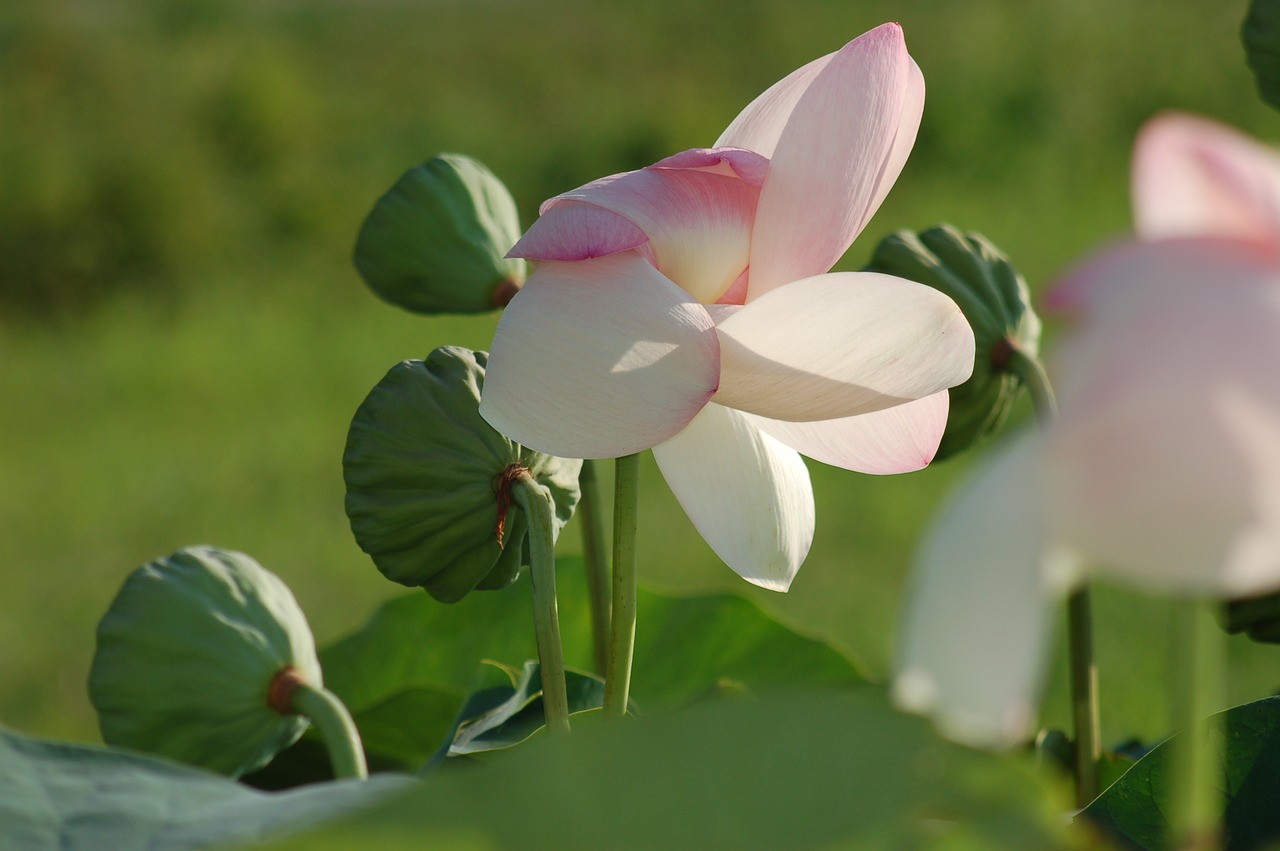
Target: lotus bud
{"points": [[435, 242], [195, 659], [994, 299], [429, 481]]}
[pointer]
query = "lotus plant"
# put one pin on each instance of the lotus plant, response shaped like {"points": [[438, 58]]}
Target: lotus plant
{"points": [[688, 307], [1163, 466]]}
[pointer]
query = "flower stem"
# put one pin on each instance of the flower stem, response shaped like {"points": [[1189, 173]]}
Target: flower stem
{"points": [[1030, 371], [1084, 669], [336, 727], [535, 501], [596, 561], [1084, 694], [622, 628], [1199, 685]]}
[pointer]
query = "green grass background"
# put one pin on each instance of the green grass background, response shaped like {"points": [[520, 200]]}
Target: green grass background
{"points": [[183, 339]]}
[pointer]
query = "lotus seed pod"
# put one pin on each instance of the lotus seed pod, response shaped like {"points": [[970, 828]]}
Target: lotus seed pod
{"points": [[1261, 35], [994, 299], [187, 657], [429, 481], [435, 242]]}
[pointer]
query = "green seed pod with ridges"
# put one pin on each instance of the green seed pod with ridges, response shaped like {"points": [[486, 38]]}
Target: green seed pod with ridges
{"points": [[429, 481], [994, 299], [188, 656], [435, 242]]}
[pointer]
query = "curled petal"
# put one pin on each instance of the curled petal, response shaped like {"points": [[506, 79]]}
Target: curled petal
{"points": [[578, 231], [979, 609], [697, 223], [599, 358], [1194, 177], [900, 439], [843, 147], [838, 345], [748, 165], [747, 494]]}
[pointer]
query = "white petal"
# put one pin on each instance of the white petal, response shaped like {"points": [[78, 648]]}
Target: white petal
{"points": [[841, 344], [599, 358], [747, 494], [980, 607], [900, 439]]}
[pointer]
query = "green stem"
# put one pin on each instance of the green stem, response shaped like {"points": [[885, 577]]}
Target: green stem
{"points": [[339, 732], [1084, 669], [1032, 374], [622, 628], [1084, 694], [1199, 686], [535, 501], [597, 563]]}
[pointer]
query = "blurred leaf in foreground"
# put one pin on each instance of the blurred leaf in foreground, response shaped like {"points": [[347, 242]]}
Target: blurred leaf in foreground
{"points": [[817, 771], [1134, 808], [55, 795]]}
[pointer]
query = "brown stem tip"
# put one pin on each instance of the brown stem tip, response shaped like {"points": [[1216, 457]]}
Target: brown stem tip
{"points": [[504, 292], [280, 693], [502, 494]]}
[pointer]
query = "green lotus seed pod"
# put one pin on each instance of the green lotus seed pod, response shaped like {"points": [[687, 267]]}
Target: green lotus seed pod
{"points": [[435, 242], [429, 481], [1261, 35], [994, 299], [187, 658]]}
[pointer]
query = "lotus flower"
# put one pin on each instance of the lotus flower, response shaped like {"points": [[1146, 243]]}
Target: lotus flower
{"points": [[684, 307], [1163, 467]]}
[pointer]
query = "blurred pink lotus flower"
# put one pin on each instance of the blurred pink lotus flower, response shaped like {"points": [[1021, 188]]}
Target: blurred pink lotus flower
{"points": [[1163, 466], [684, 307]]}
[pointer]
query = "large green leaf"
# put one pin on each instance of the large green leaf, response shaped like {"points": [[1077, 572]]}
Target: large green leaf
{"points": [[417, 650], [63, 796], [1133, 808], [775, 772]]}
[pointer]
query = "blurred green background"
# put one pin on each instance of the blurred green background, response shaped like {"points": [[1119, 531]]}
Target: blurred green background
{"points": [[183, 339]]}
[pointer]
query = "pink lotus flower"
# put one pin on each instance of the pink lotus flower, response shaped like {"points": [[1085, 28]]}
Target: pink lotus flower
{"points": [[684, 307], [1163, 467]]}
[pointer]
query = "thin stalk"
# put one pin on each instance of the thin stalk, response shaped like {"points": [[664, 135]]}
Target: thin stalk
{"points": [[1084, 669], [330, 715], [1030, 371], [593, 553], [622, 628], [1199, 686], [535, 501], [1084, 694]]}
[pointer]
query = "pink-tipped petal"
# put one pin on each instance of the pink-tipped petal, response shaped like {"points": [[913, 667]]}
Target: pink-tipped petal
{"points": [[697, 222], [599, 358], [839, 345], [842, 148], [900, 439], [973, 645], [747, 494], [1146, 469], [1194, 177]]}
